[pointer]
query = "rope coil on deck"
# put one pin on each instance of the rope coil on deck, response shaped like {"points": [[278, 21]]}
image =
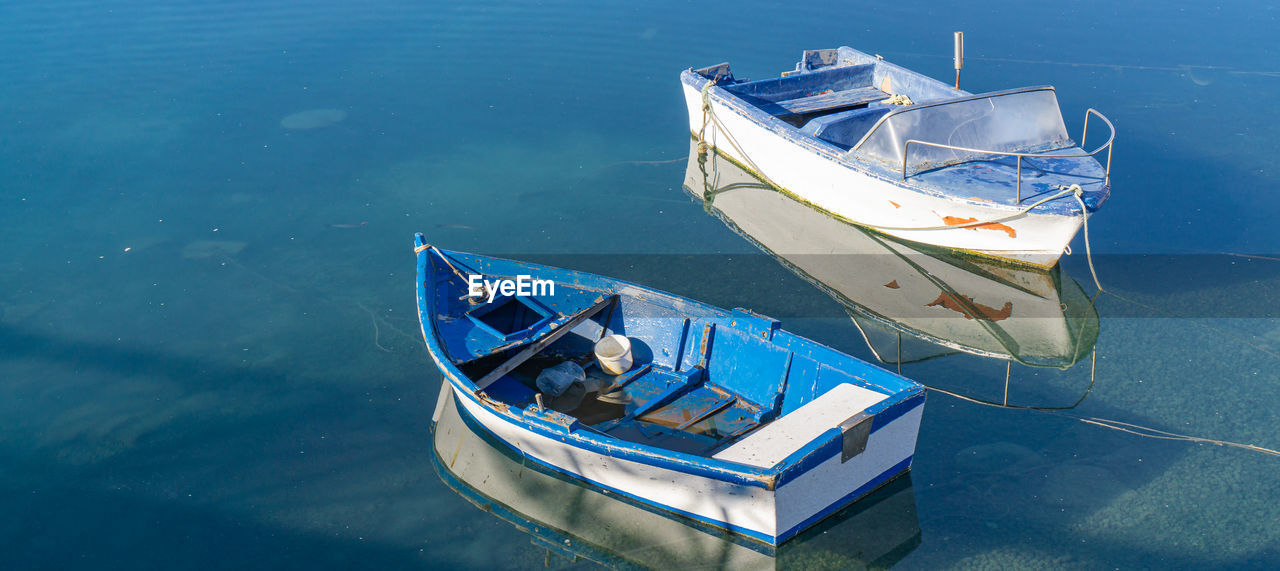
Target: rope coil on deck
{"points": [[899, 99]]}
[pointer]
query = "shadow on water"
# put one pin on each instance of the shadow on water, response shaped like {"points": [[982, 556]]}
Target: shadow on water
{"points": [[70, 527], [134, 458]]}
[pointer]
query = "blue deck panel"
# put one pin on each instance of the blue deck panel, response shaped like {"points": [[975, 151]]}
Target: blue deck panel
{"points": [[807, 84], [994, 179], [826, 101], [845, 128]]}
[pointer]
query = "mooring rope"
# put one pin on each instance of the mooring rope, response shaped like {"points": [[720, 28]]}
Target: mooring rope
{"points": [[1126, 427], [708, 112], [1084, 221], [1117, 425], [648, 163], [1148, 432]]}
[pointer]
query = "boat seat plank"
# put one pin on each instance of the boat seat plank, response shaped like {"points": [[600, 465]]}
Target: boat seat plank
{"points": [[773, 442], [829, 101], [547, 339], [713, 409], [685, 406], [656, 388]]}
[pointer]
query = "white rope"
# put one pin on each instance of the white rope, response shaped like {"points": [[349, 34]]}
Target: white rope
{"points": [[709, 113], [1084, 217], [899, 99], [1135, 429]]}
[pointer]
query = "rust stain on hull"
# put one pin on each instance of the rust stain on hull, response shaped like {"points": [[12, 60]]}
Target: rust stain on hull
{"points": [[956, 221], [985, 311]]}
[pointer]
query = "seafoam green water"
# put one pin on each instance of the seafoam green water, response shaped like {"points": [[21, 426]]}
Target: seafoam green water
{"points": [[209, 352]]}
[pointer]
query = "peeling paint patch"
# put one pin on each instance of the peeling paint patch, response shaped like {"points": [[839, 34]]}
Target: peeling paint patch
{"points": [[956, 221], [895, 204]]}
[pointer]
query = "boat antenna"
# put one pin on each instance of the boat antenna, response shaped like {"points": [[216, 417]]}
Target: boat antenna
{"points": [[959, 57]]}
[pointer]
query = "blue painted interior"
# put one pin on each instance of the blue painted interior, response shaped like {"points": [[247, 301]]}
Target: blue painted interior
{"points": [[806, 84], [825, 102], [467, 336], [994, 178], [845, 128], [510, 317], [758, 380], [921, 88]]}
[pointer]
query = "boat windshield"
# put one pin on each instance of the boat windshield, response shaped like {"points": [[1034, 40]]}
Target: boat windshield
{"points": [[1024, 120]]}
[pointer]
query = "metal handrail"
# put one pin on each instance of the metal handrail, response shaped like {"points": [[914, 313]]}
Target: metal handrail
{"points": [[1018, 187]]}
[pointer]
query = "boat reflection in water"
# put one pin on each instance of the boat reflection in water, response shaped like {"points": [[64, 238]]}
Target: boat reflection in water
{"points": [[900, 294], [579, 522]]}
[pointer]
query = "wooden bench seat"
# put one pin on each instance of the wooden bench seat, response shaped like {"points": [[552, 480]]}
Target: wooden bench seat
{"points": [[828, 101]]}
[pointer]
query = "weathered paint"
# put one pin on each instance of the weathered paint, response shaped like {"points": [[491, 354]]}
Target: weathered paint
{"points": [[956, 221], [735, 397], [824, 174]]}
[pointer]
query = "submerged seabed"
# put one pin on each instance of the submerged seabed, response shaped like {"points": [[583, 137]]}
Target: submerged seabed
{"points": [[209, 354]]}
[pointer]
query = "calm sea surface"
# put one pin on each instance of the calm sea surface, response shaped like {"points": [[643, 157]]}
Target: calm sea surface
{"points": [[209, 349]]}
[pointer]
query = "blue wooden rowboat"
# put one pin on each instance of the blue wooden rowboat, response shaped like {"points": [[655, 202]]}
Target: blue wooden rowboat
{"points": [[723, 417]]}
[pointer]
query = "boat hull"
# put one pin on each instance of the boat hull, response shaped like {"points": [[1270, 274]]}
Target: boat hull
{"points": [[826, 178], [770, 516], [616, 532], [837, 429]]}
